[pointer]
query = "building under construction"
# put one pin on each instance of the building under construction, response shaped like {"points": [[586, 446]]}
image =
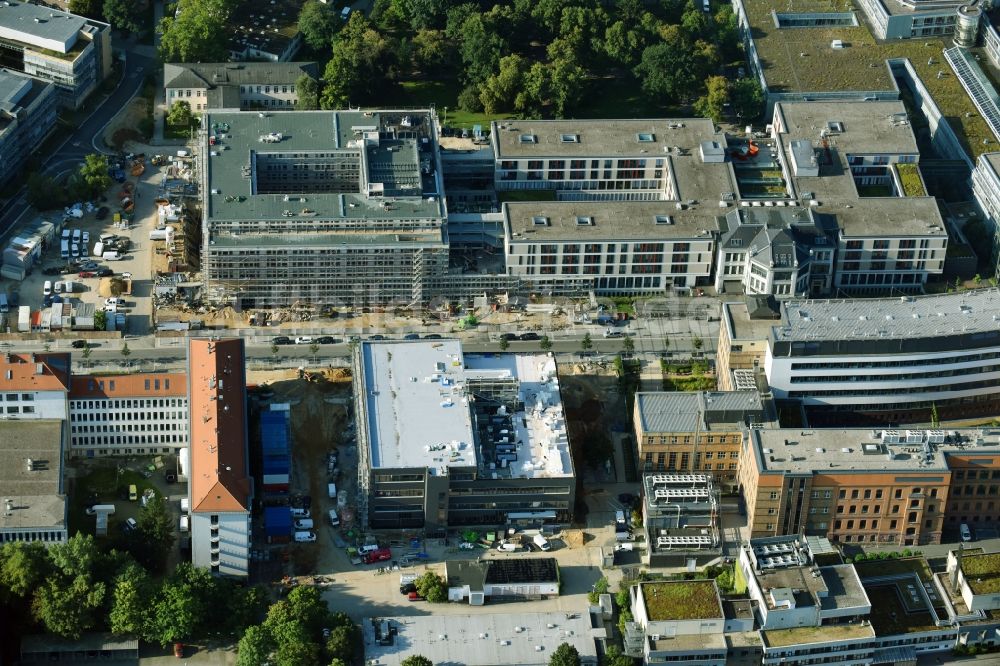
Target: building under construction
{"points": [[322, 207]]}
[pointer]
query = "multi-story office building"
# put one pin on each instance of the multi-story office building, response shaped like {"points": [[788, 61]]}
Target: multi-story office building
{"points": [[31, 480], [744, 328], [236, 86], [34, 386], [892, 360], [69, 51], [220, 488], [614, 160], [680, 514], [322, 207], [869, 486], [450, 439], [986, 189], [776, 251], [609, 247], [27, 116], [906, 19], [136, 414], [991, 38], [857, 162], [699, 432]]}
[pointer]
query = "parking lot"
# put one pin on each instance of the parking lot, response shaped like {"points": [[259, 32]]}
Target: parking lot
{"points": [[137, 260]]}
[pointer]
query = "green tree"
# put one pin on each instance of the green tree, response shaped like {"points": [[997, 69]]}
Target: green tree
{"points": [[125, 351], [87, 351], [697, 342], [432, 587], [565, 655], [307, 89], [359, 66], [100, 320], [746, 98], [342, 643], [88, 8], [600, 587], [416, 660], [307, 607], [23, 566], [255, 646], [130, 601], [725, 579], [481, 49], [426, 14], [67, 605], [180, 610], [668, 70], [615, 657], [296, 648], [504, 344], [545, 343], [318, 23], [628, 344], [567, 84], [314, 349], [274, 350], [431, 50], [696, 22], [712, 104], [197, 33], [586, 343], [180, 114], [499, 91], [44, 193], [155, 535], [94, 173], [125, 15]]}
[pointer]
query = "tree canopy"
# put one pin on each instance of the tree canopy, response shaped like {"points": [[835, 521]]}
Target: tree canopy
{"points": [[565, 655], [197, 33], [123, 15], [416, 660], [318, 23], [361, 62], [432, 587]]}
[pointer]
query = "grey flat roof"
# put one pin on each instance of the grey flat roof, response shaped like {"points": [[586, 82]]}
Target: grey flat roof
{"points": [[415, 398], [611, 220], [939, 315], [694, 411], [743, 326], [887, 217], [483, 639], [597, 138], [13, 87], [843, 587], [36, 495], [864, 450], [40, 21], [866, 127], [312, 132], [994, 161], [895, 7]]}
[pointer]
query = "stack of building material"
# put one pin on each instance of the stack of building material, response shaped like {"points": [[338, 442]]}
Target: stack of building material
{"points": [[275, 435]]}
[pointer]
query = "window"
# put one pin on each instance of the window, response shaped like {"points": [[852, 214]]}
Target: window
{"points": [[528, 138], [645, 137], [584, 221], [540, 221], [774, 495], [664, 219], [569, 138]]}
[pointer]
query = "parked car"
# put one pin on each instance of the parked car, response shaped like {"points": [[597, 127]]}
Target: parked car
{"points": [[380, 555], [79, 344], [86, 274], [305, 537], [104, 271], [85, 237], [432, 336], [413, 596], [530, 336], [303, 340], [47, 288], [126, 275], [101, 213], [368, 548], [282, 340], [326, 340], [411, 336], [965, 532], [133, 493], [130, 526], [611, 333], [509, 337], [376, 337]]}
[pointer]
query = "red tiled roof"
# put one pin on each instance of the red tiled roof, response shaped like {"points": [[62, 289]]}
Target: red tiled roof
{"points": [[34, 372], [217, 416], [142, 385]]}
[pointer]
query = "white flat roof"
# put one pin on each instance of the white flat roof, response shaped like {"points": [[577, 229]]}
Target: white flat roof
{"points": [[483, 639], [418, 415], [540, 430]]}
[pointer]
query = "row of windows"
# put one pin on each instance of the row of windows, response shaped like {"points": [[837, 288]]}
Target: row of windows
{"points": [[856, 364], [101, 417], [26, 409], [138, 403], [901, 390], [116, 440], [14, 397], [48, 536], [139, 427]]}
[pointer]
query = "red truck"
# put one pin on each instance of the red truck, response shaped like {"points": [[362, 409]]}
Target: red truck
{"points": [[380, 555]]}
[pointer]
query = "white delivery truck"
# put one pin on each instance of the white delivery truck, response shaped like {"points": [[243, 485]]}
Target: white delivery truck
{"points": [[111, 256], [542, 543], [24, 319], [64, 249], [98, 249], [164, 234]]}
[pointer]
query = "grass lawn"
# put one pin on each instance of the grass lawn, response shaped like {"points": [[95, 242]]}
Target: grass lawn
{"points": [[176, 131], [682, 600], [443, 95], [621, 98], [108, 485], [834, 632], [982, 572]]}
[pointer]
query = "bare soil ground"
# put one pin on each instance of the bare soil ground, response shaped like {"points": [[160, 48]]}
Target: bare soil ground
{"points": [[122, 128], [319, 412]]}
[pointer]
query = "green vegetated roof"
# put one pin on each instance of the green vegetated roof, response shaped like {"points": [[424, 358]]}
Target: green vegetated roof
{"points": [[888, 615], [982, 572], [806, 635], [917, 565], [909, 176], [682, 600], [860, 65]]}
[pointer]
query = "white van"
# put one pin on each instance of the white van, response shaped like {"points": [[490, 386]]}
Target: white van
{"points": [[508, 547], [305, 537], [185, 524], [64, 249], [47, 288], [331, 490], [965, 532], [66, 235], [301, 513], [98, 249], [101, 508], [185, 505], [304, 524], [345, 13], [542, 543], [111, 256], [334, 518]]}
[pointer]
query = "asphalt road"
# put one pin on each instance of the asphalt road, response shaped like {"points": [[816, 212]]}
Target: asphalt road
{"points": [[86, 138]]}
